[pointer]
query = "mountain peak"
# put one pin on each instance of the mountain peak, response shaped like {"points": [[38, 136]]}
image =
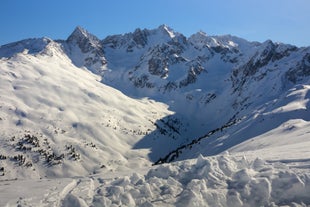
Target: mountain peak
{"points": [[81, 33], [167, 30], [164, 27], [198, 35], [80, 30]]}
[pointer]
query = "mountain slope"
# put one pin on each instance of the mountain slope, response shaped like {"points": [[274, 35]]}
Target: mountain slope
{"points": [[210, 81], [85, 111], [62, 120], [207, 82]]}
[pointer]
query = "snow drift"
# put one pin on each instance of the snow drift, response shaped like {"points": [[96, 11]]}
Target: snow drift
{"points": [[222, 180]]}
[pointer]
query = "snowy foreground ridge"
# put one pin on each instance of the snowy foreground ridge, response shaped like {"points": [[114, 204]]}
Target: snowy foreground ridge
{"points": [[153, 118], [206, 181]]}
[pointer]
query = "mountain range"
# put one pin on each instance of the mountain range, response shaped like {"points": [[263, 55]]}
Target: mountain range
{"points": [[85, 106]]}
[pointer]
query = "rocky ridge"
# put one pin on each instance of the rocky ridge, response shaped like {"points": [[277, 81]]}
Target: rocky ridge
{"points": [[208, 81]]}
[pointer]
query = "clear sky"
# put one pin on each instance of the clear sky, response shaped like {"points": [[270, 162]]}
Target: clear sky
{"points": [[285, 21]]}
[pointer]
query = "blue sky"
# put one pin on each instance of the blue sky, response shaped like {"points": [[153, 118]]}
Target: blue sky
{"points": [[256, 20]]}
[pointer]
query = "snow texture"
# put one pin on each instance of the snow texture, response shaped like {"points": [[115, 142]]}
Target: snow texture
{"points": [[222, 180], [225, 121]]}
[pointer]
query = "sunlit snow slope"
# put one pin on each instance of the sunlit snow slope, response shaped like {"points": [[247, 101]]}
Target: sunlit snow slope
{"points": [[225, 121], [62, 121]]}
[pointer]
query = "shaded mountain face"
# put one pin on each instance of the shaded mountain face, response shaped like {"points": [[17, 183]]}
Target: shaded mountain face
{"points": [[202, 85], [204, 73], [161, 61], [84, 49]]}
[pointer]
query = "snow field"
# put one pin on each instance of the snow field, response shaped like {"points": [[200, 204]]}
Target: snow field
{"points": [[223, 180], [46, 96]]}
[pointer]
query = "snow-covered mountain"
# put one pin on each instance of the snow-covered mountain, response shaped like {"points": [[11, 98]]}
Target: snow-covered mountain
{"points": [[89, 107]]}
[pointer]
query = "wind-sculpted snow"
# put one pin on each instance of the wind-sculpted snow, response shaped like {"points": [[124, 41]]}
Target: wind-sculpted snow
{"points": [[222, 180]]}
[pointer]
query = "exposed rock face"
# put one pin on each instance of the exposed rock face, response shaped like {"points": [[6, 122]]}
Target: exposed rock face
{"points": [[301, 71], [85, 41], [197, 68], [91, 54], [140, 37], [158, 67], [164, 60]]}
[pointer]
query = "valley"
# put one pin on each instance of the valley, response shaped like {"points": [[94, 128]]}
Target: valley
{"points": [[154, 118]]}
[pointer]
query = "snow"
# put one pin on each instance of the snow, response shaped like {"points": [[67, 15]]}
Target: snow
{"points": [[162, 33], [223, 180], [31, 46], [75, 141], [47, 96], [290, 141]]}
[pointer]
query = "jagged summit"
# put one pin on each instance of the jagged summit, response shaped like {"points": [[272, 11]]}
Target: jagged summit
{"points": [[159, 58], [85, 49], [83, 38], [167, 30], [80, 32]]}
